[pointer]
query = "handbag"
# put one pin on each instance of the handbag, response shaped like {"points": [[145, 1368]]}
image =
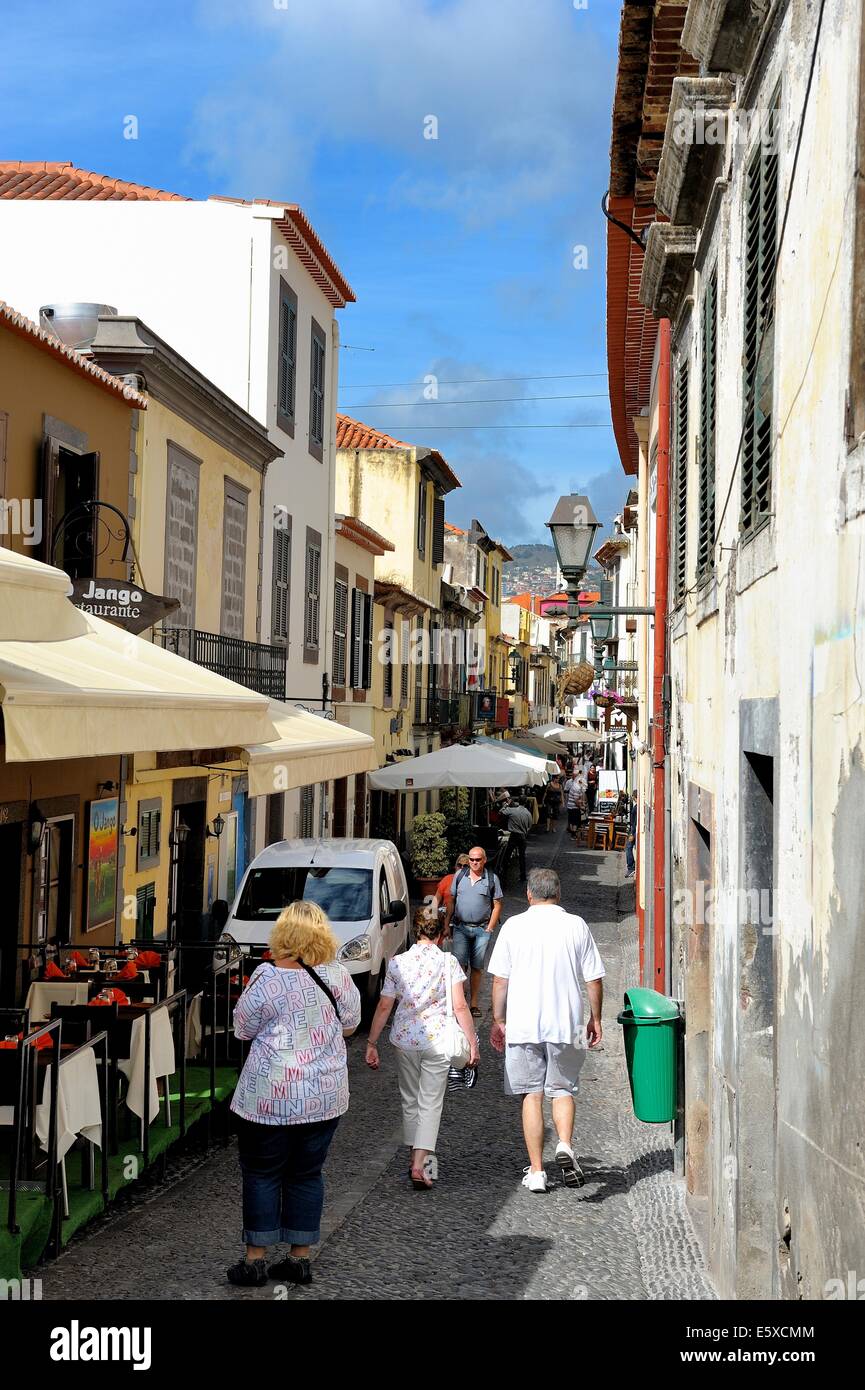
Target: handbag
{"points": [[453, 1043]]}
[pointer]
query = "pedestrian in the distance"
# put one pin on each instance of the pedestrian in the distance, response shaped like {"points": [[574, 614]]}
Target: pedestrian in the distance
{"points": [[442, 893], [538, 964], [473, 911], [552, 803], [574, 791], [591, 788], [417, 983], [630, 860], [297, 1010], [518, 819]]}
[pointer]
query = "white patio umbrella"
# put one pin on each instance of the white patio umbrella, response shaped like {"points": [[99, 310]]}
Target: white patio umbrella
{"points": [[460, 765], [567, 733]]}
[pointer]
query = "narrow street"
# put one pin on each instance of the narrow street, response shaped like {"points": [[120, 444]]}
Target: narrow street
{"points": [[478, 1235]]}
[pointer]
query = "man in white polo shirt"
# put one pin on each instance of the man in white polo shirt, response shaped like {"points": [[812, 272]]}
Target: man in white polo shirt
{"points": [[538, 963]]}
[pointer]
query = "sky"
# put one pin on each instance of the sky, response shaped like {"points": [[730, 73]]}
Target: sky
{"points": [[452, 155]]}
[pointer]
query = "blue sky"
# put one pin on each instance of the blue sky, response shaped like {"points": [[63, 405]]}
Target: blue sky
{"points": [[460, 249]]}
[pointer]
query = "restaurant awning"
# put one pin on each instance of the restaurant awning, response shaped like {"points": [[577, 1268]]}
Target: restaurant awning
{"points": [[74, 686], [308, 748], [568, 733], [511, 745]]}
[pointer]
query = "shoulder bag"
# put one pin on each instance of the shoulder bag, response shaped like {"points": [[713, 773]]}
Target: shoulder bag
{"points": [[453, 1043]]}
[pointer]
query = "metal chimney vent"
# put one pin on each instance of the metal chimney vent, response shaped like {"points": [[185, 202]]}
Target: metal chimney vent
{"points": [[74, 324]]}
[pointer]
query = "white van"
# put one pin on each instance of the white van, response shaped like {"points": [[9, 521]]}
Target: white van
{"points": [[360, 884]]}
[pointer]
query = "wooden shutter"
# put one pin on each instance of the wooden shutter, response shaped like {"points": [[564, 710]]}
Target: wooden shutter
{"points": [[438, 535], [287, 356], [340, 630], [421, 516], [368, 613], [281, 582], [708, 407], [145, 909], [403, 684], [680, 515], [356, 638], [761, 221], [316, 390], [388, 665], [313, 605]]}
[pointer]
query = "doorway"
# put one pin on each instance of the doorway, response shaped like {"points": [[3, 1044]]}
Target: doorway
{"points": [[340, 807], [186, 896]]}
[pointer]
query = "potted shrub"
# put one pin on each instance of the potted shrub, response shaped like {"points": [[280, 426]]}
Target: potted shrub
{"points": [[429, 851]]}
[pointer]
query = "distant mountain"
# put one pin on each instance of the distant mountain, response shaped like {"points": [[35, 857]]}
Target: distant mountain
{"points": [[540, 555]]}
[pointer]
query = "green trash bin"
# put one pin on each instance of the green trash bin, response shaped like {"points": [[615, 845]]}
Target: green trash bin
{"points": [[651, 1024]]}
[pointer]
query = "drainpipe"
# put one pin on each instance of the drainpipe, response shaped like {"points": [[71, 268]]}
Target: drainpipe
{"points": [[662, 563]]}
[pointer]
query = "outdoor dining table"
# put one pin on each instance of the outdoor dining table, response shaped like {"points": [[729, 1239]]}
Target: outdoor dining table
{"points": [[78, 1107], [43, 993], [162, 1059]]}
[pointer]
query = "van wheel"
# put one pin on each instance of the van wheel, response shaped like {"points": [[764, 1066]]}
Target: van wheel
{"points": [[372, 993]]}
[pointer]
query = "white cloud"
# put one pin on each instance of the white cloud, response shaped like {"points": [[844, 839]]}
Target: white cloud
{"points": [[518, 92]]}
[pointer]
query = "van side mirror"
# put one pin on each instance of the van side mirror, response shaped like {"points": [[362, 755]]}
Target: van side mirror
{"points": [[396, 912]]}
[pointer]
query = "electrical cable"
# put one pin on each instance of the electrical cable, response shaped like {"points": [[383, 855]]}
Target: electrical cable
{"points": [[484, 400], [467, 381], [750, 397]]}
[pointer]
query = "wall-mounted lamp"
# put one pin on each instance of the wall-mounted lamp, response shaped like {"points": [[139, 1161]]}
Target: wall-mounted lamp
{"points": [[35, 828], [108, 787], [133, 830], [218, 827], [179, 835]]}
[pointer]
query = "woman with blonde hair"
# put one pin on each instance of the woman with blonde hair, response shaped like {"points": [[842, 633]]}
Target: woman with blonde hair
{"points": [[298, 1009], [417, 983]]}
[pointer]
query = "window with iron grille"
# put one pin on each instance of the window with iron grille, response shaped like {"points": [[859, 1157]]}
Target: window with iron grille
{"points": [[306, 825], [340, 630], [281, 585], [149, 824], [680, 475], [761, 236], [318, 355], [421, 516], [145, 911], [287, 359], [708, 405], [356, 677], [312, 607], [388, 654]]}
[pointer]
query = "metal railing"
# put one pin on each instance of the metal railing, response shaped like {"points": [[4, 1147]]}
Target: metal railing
{"points": [[25, 1056], [257, 665], [173, 1003]]}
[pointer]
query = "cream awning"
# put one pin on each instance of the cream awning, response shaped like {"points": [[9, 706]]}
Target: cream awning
{"points": [[308, 749], [74, 686]]}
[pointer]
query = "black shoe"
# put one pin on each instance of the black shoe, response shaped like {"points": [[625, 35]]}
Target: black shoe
{"points": [[251, 1273], [292, 1270]]}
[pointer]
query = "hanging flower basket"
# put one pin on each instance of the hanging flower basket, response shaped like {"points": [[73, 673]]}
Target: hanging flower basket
{"points": [[577, 679], [606, 699]]}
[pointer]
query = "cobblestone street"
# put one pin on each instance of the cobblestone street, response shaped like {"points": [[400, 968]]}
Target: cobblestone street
{"points": [[478, 1234]]}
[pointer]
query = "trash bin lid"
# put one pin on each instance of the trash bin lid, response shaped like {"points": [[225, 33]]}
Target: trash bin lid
{"points": [[648, 1003]]}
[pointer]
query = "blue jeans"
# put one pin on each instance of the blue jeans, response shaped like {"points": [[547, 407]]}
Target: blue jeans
{"points": [[283, 1189], [630, 861], [471, 943]]}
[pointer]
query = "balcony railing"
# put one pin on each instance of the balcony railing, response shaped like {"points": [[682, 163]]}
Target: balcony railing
{"points": [[254, 664], [437, 708]]}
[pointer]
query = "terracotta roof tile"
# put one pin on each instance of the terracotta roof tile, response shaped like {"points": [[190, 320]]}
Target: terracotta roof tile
{"points": [[40, 180], [351, 434]]}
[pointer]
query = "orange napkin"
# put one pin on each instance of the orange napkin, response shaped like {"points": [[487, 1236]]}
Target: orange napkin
{"points": [[129, 971], [116, 997], [81, 961], [53, 972], [149, 960]]}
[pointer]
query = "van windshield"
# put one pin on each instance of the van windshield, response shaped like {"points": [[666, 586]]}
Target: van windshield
{"points": [[344, 894]]}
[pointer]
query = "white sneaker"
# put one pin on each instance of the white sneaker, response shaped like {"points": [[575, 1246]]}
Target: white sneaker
{"points": [[535, 1182], [572, 1173]]}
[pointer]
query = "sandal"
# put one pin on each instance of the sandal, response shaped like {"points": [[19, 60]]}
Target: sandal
{"points": [[420, 1181]]}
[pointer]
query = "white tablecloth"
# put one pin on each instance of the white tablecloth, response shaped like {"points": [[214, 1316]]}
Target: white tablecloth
{"points": [[161, 1062], [42, 994], [78, 1108], [193, 1025]]}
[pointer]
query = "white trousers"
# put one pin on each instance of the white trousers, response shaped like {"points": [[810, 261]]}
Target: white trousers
{"points": [[422, 1080]]}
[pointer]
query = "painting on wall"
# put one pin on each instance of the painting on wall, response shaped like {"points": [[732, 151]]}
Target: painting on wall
{"points": [[102, 862]]}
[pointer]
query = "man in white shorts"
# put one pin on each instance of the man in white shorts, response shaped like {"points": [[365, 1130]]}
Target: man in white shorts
{"points": [[538, 963]]}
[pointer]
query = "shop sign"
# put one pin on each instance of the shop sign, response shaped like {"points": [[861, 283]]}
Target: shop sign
{"points": [[121, 603]]}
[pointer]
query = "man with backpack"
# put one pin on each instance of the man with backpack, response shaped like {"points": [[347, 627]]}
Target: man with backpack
{"points": [[474, 906]]}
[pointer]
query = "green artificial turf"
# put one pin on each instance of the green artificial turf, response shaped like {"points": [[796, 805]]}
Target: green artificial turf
{"points": [[20, 1252]]}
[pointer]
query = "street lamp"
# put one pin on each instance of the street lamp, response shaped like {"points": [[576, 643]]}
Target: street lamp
{"points": [[573, 526], [514, 663], [218, 827]]}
